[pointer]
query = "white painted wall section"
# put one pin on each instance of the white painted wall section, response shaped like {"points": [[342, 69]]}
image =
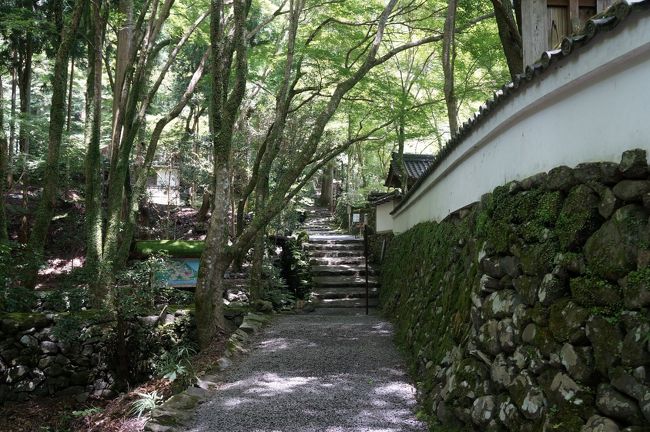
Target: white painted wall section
{"points": [[384, 218], [592, 106]]}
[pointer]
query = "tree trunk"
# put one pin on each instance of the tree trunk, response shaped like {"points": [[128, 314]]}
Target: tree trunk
{"points": [[69, 117], [448, 61], [326, 186], [510, 34], [122, 63], [94, 244], [12, 120], [25, 87], [4, 165], [57, 120], [224, 108]]}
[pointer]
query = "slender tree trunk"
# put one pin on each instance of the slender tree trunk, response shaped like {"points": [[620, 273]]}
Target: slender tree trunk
{"points": [[401, 138], [4, 165], [57, 118], [69, 117], [94, 246], [327, 180], [25, 85], [509, 27], [12, 121], [448, 61], [122, 63], [259, 246]]}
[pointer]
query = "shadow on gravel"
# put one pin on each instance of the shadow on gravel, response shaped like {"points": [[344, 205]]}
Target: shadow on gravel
{"points": [[339, 375]]}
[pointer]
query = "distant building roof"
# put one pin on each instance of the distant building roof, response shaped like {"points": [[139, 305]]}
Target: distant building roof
{"points": [[377, 198], [416, 165]]}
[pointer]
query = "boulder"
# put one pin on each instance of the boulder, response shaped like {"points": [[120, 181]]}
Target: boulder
{"points": [[510, 266], [492, 267], [611, 252], [560, 178], [631, 190], [603, 172], [634, 353], [634, 164], [488, 284], [537, 258], [509, 415], [527, 396], [579, 217], [508, 335], [617, 406], [551, 289], [567, 320], [501, 304], [488, 337], [598, 423], [630, 386], [484, 410], [539, 337], [578, 362], [527, 288], [48, 347], [606, 340], [608, 203], [570, 262], [502, 372], [29, 341], [564, 391], [636, 289], [592, 291]]}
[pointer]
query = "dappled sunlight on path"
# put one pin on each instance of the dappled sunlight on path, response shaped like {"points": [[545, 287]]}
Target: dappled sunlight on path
{"points": [[316, 373]]}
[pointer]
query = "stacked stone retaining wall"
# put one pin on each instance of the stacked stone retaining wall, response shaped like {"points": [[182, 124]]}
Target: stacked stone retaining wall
{"points": [[529, 311], [44, 353]]}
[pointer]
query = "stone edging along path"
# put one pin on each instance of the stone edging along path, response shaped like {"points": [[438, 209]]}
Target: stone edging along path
{"points": [[180, 407]]}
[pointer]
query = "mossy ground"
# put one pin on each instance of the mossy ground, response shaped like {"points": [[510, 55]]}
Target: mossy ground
{"points": [[173, 248]]}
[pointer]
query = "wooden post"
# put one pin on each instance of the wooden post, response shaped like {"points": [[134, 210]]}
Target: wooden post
{"points": [[534, 30], [574, 15]]}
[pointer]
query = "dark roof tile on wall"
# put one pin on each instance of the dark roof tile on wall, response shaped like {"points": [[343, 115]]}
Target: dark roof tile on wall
{"points": [[416, 166]]}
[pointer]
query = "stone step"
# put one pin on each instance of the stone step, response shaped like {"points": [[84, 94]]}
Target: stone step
{"points": [[334, 239], [344, 293], [324, 261], [334, 246], [343, 281], [341, 270], [335, 253], [347, 303]]}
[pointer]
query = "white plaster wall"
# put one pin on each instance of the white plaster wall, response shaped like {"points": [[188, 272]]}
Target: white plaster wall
{"points": [[384, 218], [590, 107]]}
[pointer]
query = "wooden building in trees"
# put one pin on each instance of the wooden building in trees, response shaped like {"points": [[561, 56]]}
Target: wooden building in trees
{"points": [[546, 22]]}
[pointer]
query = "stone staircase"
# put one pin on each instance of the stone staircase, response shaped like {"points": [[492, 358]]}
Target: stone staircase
{"points": [[337, 265]]}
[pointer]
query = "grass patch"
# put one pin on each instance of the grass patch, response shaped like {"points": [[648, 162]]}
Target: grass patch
{"points": [[173, 248]]}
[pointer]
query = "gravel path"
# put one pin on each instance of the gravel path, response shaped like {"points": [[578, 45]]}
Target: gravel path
{"points": [[320, 372]]}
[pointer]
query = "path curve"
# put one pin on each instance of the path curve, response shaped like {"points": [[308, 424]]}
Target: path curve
{"points": [[321, 372]]}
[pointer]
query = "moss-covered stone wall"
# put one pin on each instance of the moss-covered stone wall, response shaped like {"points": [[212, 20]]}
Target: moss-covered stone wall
{"points": [[530, 311]]}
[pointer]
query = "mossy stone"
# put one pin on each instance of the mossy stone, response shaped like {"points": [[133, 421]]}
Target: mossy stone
{"points": [[636, 289], [611, 252], [607, 339], [579, 217], [526, 287], [566, 320], [590, 291], [548, 208], [537, 258]]}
